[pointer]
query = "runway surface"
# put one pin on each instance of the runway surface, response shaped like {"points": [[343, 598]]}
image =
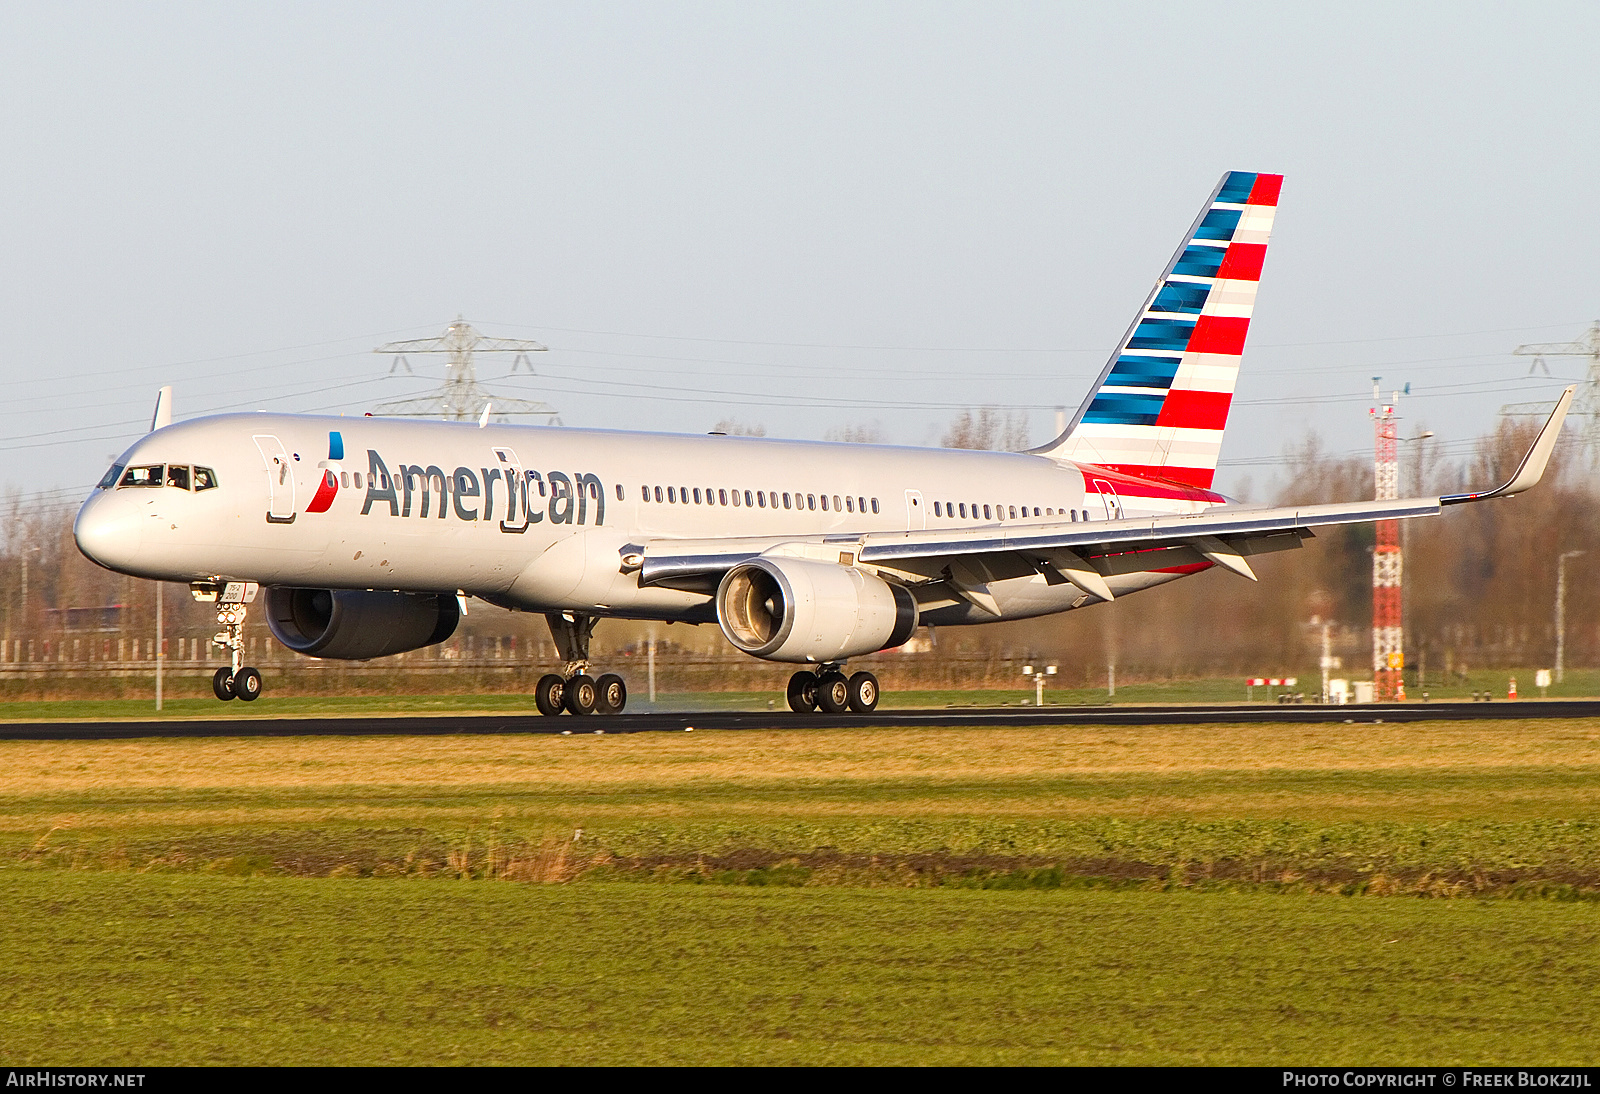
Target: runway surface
{"points": [[409, 726]]}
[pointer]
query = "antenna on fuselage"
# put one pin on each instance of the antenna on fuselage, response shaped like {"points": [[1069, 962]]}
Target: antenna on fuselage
{"points": [[163, 415]]}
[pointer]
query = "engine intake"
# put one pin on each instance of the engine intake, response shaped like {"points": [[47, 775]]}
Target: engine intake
{"points": [[800, 610], [354, 625]]}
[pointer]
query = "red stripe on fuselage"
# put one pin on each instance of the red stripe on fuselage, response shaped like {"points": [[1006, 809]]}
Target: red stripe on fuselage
{"points": [[1143, 481], [1185, 568], [1185, 409], [326, 489], [1191, 568]]}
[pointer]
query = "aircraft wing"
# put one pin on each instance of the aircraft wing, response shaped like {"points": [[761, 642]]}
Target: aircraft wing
{"points": [[1084, 553]]}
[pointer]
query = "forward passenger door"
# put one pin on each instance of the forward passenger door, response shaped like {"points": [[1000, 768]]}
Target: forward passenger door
{"points": [[280, 479]]}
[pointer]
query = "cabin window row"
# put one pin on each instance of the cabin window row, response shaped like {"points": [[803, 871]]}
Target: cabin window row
{"points": [[756, 499], [1002, 512]]}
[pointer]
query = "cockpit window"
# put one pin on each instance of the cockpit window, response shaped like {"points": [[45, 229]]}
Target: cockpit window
{"points": [[177, 475]]}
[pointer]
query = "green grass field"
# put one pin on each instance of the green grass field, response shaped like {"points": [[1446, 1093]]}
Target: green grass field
{"points": [[130, 969], [1255, 894]]}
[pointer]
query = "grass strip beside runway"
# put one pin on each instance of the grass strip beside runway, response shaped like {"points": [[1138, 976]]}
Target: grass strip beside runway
{"points": [[1150, 894], [1445, 809], [131, 970]]}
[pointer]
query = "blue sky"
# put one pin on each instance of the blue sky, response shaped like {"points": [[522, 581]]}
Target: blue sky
{"points": [[803, 215]]}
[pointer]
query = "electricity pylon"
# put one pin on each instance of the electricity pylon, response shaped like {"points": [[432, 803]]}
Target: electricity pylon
{"points": [[1388, 633], [462, 398], [1585, 412]]}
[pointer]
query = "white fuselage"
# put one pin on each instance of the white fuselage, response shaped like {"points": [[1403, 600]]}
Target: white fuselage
{"points": [[557, 540]]}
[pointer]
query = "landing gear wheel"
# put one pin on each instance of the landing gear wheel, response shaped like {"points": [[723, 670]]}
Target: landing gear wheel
{"points": [[863, 693], [548, 695], [222, 684], [247, 684], [833, 693], [803, 692], [612, 694], [581, 695]]}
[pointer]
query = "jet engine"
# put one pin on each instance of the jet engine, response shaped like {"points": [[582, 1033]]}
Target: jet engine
{"points": [[800, 610], [354, 625]]}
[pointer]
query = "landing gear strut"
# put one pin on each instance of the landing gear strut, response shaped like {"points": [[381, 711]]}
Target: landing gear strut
{"points": [[829, 689], [573, 690], [235, 680]]}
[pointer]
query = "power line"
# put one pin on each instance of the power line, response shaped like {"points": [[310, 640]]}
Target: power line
{"points": [[991, 349]]}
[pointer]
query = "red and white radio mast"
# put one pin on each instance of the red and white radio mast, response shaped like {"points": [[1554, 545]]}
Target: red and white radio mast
{"points": [[1388, 636]]}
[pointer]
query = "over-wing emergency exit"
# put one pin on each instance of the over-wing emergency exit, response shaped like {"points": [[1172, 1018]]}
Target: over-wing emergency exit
{"points": [[367, 534]]}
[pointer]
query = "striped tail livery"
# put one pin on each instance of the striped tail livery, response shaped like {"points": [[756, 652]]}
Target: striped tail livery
{"points": [[1153, 422]]}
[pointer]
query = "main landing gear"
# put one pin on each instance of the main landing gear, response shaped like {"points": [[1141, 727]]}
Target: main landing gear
{"points": [[831, 691], [573, 690], [234, 680]]}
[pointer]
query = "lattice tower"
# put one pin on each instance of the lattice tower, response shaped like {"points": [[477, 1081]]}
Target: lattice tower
{"points": [[1584, 415], [462, 398], [1388, 635]]}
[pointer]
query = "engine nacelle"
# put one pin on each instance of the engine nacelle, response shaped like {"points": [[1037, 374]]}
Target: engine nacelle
{"points": [[800, 610], [353, 625]]}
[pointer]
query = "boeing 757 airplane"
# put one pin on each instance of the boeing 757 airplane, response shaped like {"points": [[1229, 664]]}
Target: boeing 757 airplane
{"points": [[368, 534]]}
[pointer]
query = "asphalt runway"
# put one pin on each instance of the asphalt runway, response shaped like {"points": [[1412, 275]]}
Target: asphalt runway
{"points": [[679, 722]]}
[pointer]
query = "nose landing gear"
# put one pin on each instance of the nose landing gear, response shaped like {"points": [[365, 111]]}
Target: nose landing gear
{"points": [[235, 680], [573, 690], [833, 692]]}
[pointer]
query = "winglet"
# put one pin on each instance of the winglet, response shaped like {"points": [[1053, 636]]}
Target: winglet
{"points": [[1531, 470], [163, 415]]}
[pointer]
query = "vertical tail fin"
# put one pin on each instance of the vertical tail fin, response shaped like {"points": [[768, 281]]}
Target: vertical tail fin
{"points": [[1160, 405]]}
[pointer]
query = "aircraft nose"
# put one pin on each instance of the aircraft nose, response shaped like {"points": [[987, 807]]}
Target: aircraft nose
{"points": [[108, 531]]}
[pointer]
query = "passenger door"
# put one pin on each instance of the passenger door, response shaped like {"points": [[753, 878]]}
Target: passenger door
{"points": [[916, 510], [280, 479], [1108, 497], [517, 514]]}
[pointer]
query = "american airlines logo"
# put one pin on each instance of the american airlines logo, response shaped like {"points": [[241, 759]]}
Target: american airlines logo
{"points": [[516, 497]]}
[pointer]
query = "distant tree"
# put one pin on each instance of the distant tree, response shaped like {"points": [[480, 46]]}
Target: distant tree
{"points": [[861, 433], [733, 427], [989, 430]]}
